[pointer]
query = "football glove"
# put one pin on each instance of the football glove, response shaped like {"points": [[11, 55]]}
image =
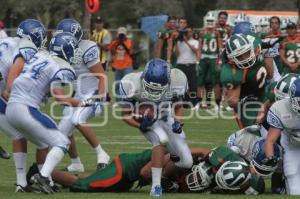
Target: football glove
{"points": [[146, 123], [177, 127], [91, 101]]}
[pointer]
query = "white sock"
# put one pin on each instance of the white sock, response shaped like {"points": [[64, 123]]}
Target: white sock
{"points": [[54, 156], [102, 156], [98, 149], [40, 166], [76, 160], [20, 159], [156, 176]]}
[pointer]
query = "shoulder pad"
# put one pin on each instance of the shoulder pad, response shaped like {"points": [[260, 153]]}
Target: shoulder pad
{"points": [[130, 85], [90, 51], [26, 49]]}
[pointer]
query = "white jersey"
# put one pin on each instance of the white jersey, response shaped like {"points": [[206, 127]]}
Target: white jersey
{"points": [[282, 116], [86, 82], [10, 49], [131, 87], [243, 141], [38, 74]]}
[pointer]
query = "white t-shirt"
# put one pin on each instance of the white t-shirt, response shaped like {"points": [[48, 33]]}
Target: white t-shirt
{"points": [[186, 54]]}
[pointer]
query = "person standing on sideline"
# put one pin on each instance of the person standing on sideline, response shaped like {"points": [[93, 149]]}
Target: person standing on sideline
{"points": [[187, 51], [102, 37], [121, 47]]}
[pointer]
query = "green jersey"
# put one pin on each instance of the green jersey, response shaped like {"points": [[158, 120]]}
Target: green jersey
{"points": [[222, 154], [291, 46], [165, 35], [118, 176], [209, 41], [225, 32]]}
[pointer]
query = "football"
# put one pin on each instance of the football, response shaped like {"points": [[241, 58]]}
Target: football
{"points": [[143, 109]]}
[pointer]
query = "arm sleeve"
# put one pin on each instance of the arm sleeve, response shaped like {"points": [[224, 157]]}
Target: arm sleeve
{"points": [[91, 56], [273, 119], [26, 49]]}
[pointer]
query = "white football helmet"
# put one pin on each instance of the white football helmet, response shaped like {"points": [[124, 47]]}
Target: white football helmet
{"points": [[240, 18], [209, 20], [263, 25]]}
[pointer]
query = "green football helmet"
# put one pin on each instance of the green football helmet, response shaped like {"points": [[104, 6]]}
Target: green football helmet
{"points": [[240, 49], [200, 178], [232, 175], [281, 89]]}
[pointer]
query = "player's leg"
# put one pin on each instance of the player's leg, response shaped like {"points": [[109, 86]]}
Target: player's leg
{"points": [[202, 73], [79, 119], [66, 126], [291, 170], [158, 138], [177, 145], [269, 67], [64, 178], [38, 126], [215, 80]]}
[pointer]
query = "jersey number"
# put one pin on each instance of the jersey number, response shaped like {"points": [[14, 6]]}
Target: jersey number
{"points": [[37, 69], [212, 45], [292, 55], [261, 76]]}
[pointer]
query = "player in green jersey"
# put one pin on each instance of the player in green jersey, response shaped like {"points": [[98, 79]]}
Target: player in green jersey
{"points": [[210, 45], [290, 50], [244, 75]]}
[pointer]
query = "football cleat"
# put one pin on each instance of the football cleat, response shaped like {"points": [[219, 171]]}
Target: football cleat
{"points": [[27, 189], [156, 191], [4, 154], [101, 166], [31, 172], [75, 167], [43, 183]]}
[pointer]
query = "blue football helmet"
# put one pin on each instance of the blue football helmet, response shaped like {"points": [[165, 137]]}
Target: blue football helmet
{"points": [[155, 79], [243, 27], [64, 46], [294, 93], [258, 155], [72, 26], [33, 30]]}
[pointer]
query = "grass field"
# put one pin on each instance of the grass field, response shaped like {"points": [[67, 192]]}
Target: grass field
{"points": [[117, 137]]}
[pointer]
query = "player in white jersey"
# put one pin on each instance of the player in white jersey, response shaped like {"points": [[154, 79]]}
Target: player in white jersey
{"points": [[163, 87], [283, 118], [44, 73], [14, 52], [91, 81]]}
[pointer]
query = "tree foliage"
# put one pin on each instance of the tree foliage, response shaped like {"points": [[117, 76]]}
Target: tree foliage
{"points": [[121, 12]]}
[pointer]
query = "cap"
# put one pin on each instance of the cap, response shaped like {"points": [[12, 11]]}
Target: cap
{"points": [[291, 25], [99, 19], [122, 30]]}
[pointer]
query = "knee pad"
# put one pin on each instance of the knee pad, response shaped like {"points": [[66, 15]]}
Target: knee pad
{"points": [[81, 115], [64, 143]]}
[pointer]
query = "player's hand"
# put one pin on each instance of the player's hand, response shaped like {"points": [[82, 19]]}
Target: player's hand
{"points": [[5, 95], [146, 123], [91, 101], [177, 127], [271, 161]]}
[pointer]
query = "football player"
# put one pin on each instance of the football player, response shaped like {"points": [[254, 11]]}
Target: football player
{"points": [[263, 26], [91, 82], [271, 55], [242, 17], [283, 118], [165, 88], [290, 50], [44, 73], [224, 29], [161, 46], [210, 45], [14, 52], [220, 170], [244, 76]]}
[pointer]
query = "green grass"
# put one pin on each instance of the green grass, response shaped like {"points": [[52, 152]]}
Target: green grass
{"points": [[117, 137]]}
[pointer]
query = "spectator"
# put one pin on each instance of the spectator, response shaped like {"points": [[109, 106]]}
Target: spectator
{"points": [[187, 51], [121, 47], [2, 31], [290, 44], [103, 38]]}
